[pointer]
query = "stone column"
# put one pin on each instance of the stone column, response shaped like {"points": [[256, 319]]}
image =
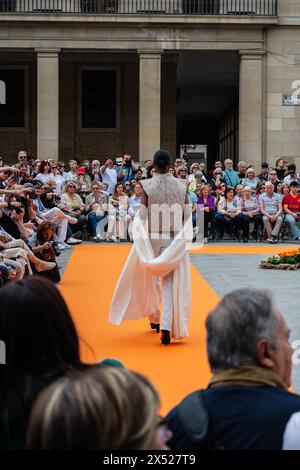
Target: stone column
{"points": [[251, 107], [47, 103], [149, 109]]}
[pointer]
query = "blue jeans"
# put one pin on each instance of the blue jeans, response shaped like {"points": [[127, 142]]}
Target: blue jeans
{"points": [[94, 220], [292, 223]]}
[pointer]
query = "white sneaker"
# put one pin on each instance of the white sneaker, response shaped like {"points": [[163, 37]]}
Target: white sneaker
{"points": [[61, 246], [73, 241], [67, 247]]}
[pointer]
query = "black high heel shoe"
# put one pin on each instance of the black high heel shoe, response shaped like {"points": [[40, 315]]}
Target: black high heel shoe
{"points": [[165, 337], [155, 326]]}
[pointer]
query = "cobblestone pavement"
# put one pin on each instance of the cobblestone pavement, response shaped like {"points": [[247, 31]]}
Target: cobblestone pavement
{"points": [[227, 272]]}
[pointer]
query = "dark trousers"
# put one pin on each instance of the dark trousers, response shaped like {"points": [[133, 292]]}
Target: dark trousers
{"points": [[257, 219]]}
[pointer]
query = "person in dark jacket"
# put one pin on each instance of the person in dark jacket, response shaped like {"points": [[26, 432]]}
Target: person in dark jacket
{"points": [[247, 400]]}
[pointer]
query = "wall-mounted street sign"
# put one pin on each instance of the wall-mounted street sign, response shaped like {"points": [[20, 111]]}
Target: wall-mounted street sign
{"points": [[290, 99]]}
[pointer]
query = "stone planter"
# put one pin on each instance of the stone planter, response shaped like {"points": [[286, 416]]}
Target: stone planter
{"points": [[285, 266]]}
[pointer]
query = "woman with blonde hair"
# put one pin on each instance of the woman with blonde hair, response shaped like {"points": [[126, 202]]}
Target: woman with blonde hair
{"points": [[98, 409], [250, 179], [72, 174]]}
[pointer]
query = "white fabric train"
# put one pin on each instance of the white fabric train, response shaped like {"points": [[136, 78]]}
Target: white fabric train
{"points": [[137, 293]]}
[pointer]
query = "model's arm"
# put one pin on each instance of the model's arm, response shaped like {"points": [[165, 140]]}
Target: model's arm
{"points": [[144, 205]]}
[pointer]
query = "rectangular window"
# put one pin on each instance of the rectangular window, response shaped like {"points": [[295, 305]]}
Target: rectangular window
{"points": [[99, 99], [12, 114]]}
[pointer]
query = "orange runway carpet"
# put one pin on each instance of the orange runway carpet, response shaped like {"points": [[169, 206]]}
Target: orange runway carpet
{"points": [[88, 285], [177, 369]]}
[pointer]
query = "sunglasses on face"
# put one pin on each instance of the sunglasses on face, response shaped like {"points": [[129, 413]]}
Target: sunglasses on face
{"points": [[22, 157], [72, 187], [53, 167]]}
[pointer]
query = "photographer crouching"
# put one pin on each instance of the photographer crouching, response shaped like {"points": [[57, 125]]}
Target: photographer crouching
{"points": [[44, 245]]}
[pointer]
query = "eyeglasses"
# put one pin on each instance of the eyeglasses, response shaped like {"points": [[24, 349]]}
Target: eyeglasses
{"points": [[272, 174], [72, 187], [22, 157]]}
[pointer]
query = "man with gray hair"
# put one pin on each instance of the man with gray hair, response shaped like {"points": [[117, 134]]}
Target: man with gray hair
{"points": [[270, 207], [230, 176], [247, 403]]}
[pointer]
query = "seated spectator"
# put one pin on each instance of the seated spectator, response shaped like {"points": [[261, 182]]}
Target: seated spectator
{"points": [[230, 176], [10, 221], [247, 400], [139, 175], [251, 180], [251, 213], [23, 176], [150, 172], [272, 177], [228, 216], [118, 217], [36, 168], [44, 175], [42, 345], [217, 179], [72, 174], [12, 249], [239, 193], [128, 188], [218, 164], [286, 189], [57, 178], [58, 217], [204, 173], [72, 205], [83, 183], [96, 207], [134, 206], [263, 175], [182, 173], [292, 174], [261, 188], [271, 209], [278, 189], [45, 246], [194, 167], [197, 181], [291, 207], [98, 409], [172, 171], [206, 203]]}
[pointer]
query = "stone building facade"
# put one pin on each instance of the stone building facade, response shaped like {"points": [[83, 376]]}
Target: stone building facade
{"points": [[190, 72]]}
